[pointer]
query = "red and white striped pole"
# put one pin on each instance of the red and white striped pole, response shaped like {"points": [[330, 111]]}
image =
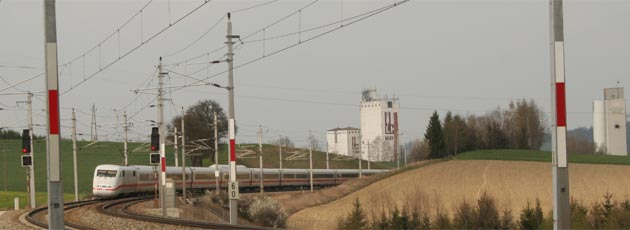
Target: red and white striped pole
{"points": [[231, 120], [560, 171], [55, 187], [162, 131]]}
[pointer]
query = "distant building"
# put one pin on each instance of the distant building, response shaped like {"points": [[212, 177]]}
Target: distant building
{"points": [[609, 123], [379, 125], [344, 141]]}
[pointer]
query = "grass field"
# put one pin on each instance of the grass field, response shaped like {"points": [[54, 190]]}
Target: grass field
{"points": [[445, 185], [540, 156], [7, 199], [13, 176]]}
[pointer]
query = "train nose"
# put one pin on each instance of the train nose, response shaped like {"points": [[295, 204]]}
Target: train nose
{"points": [[103, 191]]}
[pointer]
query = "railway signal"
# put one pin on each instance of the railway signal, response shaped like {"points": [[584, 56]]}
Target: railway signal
{"points": [[154, 158], [26, 141], [155, 139], [27, 161]]}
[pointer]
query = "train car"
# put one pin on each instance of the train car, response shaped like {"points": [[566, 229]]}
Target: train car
{"points": [[116, 180]]}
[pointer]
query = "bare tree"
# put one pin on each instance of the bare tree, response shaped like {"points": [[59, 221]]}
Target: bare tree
{"points": [[199, 120]]}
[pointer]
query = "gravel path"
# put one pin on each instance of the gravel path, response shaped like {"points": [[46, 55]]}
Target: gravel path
{"points": [[10, 220]]}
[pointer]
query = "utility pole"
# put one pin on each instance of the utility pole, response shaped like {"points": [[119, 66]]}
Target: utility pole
{"points": [[55, 187], [405, 154], [162, 138], [231, 119], [327, 162], [396, 157], [5, 166], [310, 157], [125, 150], [368, 153], [74, 155], [216, 153], [368, 156], [175, 147], [31, 169], [260, 160], [560, 170], [94, 132], [280, 150], [183, 157]]}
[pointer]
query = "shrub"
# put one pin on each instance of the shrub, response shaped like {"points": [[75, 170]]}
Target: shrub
{"points": [[465, 216], [531, 217], [578, 215], [488, 215], [507, 221], [266, 212], [442, 221], [355, 219]]}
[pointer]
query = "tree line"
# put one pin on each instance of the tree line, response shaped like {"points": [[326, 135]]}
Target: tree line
{"points": [[520, 126], [485, 214]]}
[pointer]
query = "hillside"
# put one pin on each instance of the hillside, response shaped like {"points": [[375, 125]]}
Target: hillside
{"points": [[512, 183], [91, 155]]}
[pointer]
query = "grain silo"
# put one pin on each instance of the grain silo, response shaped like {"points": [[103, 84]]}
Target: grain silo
{"points": [[609, 123]]}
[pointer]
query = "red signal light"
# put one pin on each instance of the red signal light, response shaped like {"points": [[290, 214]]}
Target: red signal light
{"points": [[24, 150], [152, 148]]}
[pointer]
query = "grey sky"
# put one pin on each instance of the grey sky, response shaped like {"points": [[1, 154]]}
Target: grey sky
{"points": [[467, 56]]}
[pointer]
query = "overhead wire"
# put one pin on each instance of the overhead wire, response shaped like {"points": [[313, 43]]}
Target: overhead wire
{"points": [[198, 39], [134, 49], [352, 20]]}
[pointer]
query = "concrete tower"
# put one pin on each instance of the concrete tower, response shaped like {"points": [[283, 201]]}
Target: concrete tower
{"points": [[609, 123], [379, 124]]}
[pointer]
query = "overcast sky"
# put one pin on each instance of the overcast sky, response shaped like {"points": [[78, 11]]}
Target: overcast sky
{"points": [[466, 56]]}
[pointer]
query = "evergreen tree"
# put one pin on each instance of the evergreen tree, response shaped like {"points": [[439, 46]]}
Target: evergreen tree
{"points": [[448, 133], [435, 137], [356, 218]]}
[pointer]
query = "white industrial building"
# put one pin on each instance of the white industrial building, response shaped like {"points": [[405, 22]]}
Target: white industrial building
{"points": [[344, 141], [379, 125], [609, 123]]}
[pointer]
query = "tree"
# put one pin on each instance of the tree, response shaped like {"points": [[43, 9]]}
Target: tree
{"points": [[199, 121], [9, 134], [449, 134], [284, 141], [526, 130], [419, 150], [435, 137], [355, 219]]}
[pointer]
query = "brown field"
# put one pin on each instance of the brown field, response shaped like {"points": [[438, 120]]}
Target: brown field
{"points": [[511, 183]]}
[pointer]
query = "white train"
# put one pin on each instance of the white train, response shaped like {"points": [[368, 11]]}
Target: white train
{"points": [[116, 180]]}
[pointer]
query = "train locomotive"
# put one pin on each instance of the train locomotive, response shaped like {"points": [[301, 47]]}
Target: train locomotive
{"points": [[115, 180]]}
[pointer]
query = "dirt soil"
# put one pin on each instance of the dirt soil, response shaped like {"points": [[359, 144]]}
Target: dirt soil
{"points": [[445, 185]]}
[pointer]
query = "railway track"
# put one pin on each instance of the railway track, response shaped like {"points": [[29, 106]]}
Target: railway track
{"points": [[120, 208], [34, 217]]}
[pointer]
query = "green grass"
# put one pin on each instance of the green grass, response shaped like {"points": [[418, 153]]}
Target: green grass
{"points": [[540, 156], [111, 153], [7, 199]]}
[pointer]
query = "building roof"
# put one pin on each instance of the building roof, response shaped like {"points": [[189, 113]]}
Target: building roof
{"points": [[346, 128]]}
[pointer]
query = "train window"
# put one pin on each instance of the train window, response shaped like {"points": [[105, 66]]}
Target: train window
{"points": [[134, 173], [245, 176], [146, 177], [303, 175], [205, 176], [288, 176], [106, 173], [323, 175], [123, 173], [174, 177], [271, 176]]}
